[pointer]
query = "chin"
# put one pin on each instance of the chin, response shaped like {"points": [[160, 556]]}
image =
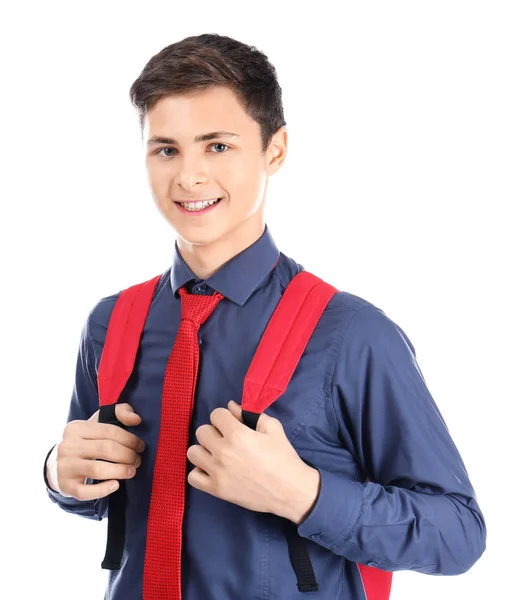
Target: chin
{"points": [[198, 237]]}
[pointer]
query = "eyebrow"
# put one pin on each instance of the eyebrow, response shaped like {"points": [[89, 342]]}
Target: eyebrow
{"points": [[157, 139]]}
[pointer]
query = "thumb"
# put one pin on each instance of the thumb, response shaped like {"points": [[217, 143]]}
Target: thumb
{"points": [[125, 414], [265, 422], [268, 424], [236, 410]]}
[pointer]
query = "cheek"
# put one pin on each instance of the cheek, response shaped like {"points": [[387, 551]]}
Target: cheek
{"points": [[159, 182], [249, 187]]}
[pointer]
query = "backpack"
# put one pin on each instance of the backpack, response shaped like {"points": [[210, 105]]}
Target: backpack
{"points": [[287, 334]]}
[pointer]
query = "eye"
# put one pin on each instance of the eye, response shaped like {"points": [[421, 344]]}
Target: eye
{"points": [[166, 155], [219, 144], [174, 150]]}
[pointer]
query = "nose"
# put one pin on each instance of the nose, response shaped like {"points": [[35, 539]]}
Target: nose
{"points": [[190, 171]]}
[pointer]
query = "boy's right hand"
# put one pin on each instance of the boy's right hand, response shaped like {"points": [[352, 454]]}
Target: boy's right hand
{"points": [[86, 441]]}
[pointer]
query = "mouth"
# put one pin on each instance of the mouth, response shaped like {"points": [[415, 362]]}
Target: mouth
{"points": [[197, 208]]}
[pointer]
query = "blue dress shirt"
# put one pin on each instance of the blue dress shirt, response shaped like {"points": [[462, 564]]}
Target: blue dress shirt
{"points": [[395, 493]]}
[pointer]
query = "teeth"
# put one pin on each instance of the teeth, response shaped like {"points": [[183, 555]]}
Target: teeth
{"points": [[193, 206]]}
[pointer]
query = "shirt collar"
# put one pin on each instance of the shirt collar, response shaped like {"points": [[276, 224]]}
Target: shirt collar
{"points": [[239, 277]]}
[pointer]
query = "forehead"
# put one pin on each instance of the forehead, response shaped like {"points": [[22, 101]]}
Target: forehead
{"points": [[183, 116]]}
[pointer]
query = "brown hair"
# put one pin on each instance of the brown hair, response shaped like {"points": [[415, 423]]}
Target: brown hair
{"points": [[207, 60]]}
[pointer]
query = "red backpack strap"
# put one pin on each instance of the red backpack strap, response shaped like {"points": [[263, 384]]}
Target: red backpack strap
{"points": [[280, 349], [116, 365], [287, 334], [283, 342], [123, 338]]}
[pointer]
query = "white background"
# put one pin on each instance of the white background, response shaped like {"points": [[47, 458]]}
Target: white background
{"points": [[400, 179]]}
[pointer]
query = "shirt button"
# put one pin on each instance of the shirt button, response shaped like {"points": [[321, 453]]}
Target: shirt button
{"points": [[371, 564], [202, 288], [314, 536]]}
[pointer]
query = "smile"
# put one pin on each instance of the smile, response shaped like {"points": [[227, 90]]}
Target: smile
{"points": [[198, 208]]}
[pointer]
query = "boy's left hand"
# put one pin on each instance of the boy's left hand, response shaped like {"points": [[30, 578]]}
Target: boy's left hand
{"points": [[259, 470]]}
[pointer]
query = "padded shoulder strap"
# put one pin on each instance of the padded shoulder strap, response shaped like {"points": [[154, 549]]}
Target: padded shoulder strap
{"points": [[123, 338], [287, 334], [284, 340]]}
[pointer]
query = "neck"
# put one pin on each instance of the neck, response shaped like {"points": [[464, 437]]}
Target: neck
{"points": [[206, 259]]}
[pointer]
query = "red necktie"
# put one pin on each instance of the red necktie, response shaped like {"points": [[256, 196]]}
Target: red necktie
{"points": [[162, 568]]}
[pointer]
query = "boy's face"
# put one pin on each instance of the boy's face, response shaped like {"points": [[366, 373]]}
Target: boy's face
{"points": [[231, 168]]}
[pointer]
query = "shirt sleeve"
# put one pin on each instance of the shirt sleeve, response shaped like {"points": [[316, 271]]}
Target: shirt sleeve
{"points": [[411, 505], [84, 402]]}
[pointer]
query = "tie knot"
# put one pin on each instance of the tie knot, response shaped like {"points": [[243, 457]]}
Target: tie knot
{"points": [[197, 307]]}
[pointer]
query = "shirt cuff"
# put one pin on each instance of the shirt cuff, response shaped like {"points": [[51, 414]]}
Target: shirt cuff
{"points": [[51, 460], [335, 511]]}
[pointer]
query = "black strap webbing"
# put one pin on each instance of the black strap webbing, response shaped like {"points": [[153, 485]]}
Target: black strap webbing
{"points": [[298, 551], [116, 508], [297, 548]]}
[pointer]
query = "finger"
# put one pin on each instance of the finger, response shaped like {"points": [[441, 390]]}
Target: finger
{"points": [[103, 449], [72, 474], [100, 431], [124, 413], [96, 490], [103, 470], [201, 458]]}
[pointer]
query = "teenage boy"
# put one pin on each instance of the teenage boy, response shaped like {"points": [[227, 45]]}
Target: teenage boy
{"points": [[355, 455]]}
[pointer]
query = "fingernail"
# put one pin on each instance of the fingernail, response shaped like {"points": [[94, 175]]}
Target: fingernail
{"points": [[141, 447], [113, 485]]}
